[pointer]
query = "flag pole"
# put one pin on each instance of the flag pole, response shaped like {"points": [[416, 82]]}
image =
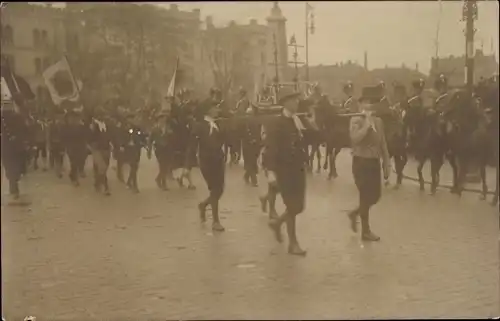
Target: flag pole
{"points": [[75, 82], [175, 73]]}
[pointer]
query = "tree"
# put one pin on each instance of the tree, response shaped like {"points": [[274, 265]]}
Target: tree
{"points": [[128, 49]]}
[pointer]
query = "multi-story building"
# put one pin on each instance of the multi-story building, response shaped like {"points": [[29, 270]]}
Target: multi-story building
{"points": [[32, 39], [454, 67], [333, 77], [235, 55]]}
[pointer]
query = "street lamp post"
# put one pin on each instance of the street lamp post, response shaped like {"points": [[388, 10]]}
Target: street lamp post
{"points": [[469, 14], [295, 62]]}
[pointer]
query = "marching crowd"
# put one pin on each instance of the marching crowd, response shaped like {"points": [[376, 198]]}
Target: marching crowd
{"points": [[210, 133]]}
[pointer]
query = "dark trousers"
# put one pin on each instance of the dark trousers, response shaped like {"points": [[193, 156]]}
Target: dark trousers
{"points": [[213, 171], [250, 157], [56, 157], [13, 161], [100, 169], [164, 165], [77, 155], [40, 150], [368, 180], [132, 156], [292, 186]]}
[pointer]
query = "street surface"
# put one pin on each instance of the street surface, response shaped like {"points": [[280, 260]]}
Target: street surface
{"points": [[75, 255]]}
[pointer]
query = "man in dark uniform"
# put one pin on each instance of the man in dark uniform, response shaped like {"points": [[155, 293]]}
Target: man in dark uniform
{"points": [[14, 144], [119, 134], [183, 119], [286, 162], [136, 140], [100, 147], [161, 142], [251, 145], [350, 104], [55, 142], [207, 137], [272, 190], [441, 85], [237, 130], [75, 143]]}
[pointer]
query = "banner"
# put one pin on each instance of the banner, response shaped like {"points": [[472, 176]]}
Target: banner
{"points": [[61, 83]]}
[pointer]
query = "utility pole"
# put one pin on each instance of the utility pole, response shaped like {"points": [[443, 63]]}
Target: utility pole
{"points": [[293, 43], [469, 14]]}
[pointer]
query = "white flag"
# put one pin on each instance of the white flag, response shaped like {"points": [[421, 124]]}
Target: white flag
{"points": [[61, 83], [171, 87], [6, 94]]}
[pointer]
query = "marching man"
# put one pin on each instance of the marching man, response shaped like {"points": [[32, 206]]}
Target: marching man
{"points": [[286, 159], [207, 137], [100, 147]]}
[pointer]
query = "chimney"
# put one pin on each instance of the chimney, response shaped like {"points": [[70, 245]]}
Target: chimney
{"points": [[416, 66], [366, 60], [197, 11], [232, 23], [174, 7], [209, 22]]}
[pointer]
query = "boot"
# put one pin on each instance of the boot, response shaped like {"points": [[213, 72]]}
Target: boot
{"points": [[216, 225], [366, 233], [353, 218], [293, 247], [263, 203]]}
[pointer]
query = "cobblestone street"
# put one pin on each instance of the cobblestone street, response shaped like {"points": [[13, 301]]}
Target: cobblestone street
{"points": [[75, 255]]}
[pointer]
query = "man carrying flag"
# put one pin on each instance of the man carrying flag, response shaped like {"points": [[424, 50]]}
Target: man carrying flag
{"points": [[65, 93], [13, 133]]}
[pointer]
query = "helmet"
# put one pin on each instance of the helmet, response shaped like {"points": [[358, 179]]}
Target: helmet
{"points": [[441, 82]]}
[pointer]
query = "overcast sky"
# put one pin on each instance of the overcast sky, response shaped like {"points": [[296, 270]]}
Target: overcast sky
{"points": [[392, 32]]}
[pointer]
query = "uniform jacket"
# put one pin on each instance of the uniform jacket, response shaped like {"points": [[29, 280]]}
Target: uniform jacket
{"points": [[208, 138], [100, 135], [284, 146]]}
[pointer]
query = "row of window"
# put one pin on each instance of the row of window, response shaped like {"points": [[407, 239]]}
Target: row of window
{"points": [[7, 35], [40, 37]]}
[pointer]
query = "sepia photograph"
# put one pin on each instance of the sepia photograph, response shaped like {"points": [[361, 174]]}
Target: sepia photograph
{"points": [[249, 160]]}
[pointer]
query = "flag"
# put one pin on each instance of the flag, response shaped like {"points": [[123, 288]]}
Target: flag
{"points": [[15, 89], [6, 94], [61, 83], [171, 87]]}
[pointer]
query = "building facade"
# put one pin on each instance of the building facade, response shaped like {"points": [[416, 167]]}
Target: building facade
{"points": [[235, 55], [454, 68], [32, 38]]}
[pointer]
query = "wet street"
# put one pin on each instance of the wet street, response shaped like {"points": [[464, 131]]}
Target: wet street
{"points": [[75, 255]]}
